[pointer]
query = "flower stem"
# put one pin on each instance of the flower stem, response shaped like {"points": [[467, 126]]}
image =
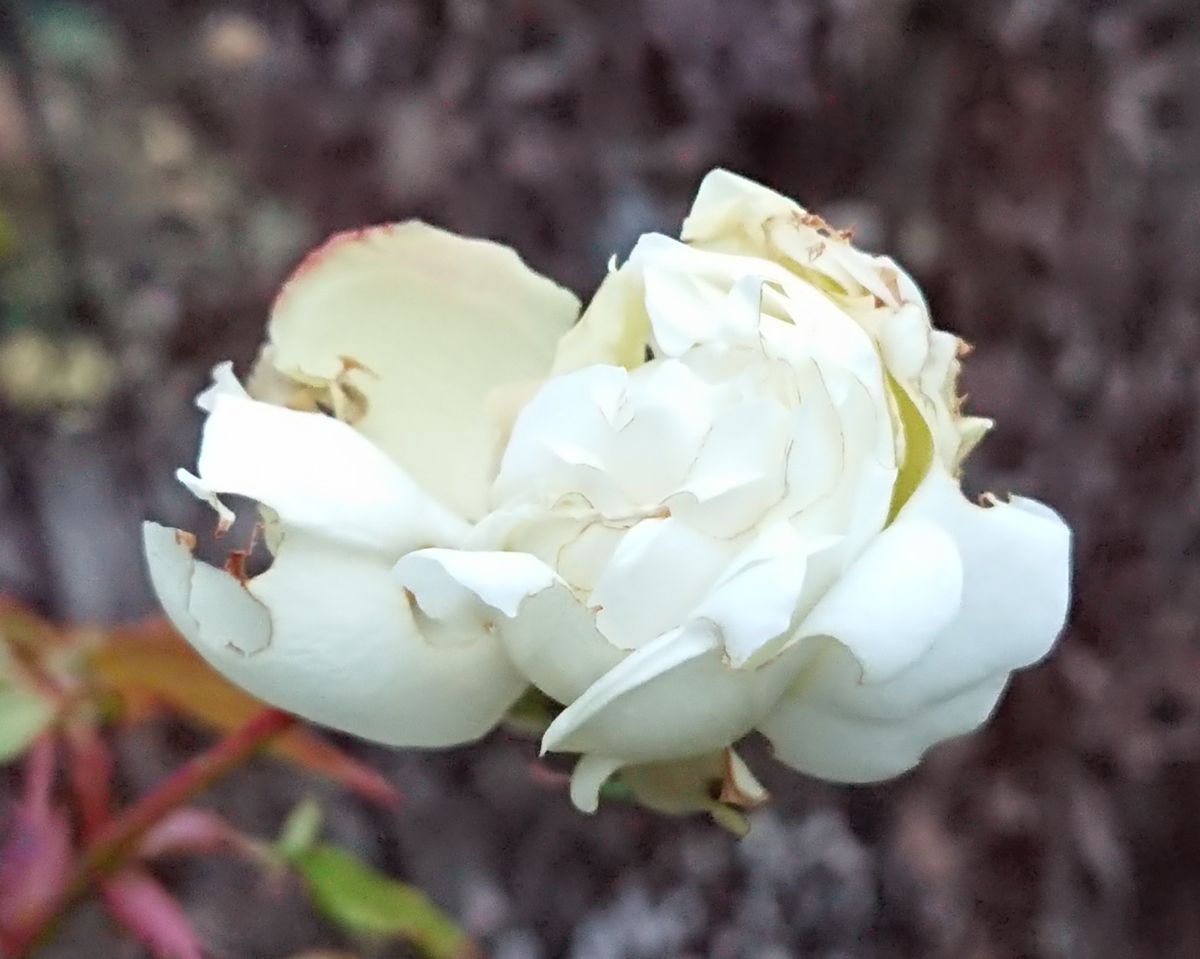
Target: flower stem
{"points": [[112, 845]]}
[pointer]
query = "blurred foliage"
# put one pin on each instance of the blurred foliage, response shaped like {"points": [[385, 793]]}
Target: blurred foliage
{"points": [[151, 669], [363, 900], [24, 710], [39, 373], [65, 696], [72, 36], [8, 235]]}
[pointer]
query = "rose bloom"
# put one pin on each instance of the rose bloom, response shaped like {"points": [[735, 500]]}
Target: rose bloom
{"points": [[726, 500]]}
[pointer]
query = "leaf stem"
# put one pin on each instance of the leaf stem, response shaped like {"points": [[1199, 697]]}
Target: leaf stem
{"points": [[113, 844]]}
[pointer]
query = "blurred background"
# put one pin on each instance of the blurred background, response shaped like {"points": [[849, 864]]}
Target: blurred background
{"points": [[1036, 164]]}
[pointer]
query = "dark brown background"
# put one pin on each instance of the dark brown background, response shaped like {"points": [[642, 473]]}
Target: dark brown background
{"points": [[1036, 163]]}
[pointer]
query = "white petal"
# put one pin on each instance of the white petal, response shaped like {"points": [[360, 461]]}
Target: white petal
{"points": [[207, 605], [890, 606], [613, 330], [694, 298], [739, 472], [549, 634], [425, 324], [730, 208], [821, 333], [1015, 592], [849, 744], [672, 698], [665, 416], [589, 776], [904, 340], [634, 672], [735, 214], [554, 642], [760, 597], [657, 575], [1016, 581], [817, 451], [447, 582], [319, 475], [857, 502], [195, 486], [558, 440], [623, 442], [327, 633], [688, 294], [674, 295], [224, 383]]}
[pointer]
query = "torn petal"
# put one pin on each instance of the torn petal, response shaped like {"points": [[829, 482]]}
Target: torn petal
{"points": [[318, 475], [194, 485], [327, 633]]}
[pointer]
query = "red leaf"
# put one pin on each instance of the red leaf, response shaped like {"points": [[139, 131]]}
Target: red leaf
{"points": [[90, 772], [151, 915], [36, 853], [320, 756]]}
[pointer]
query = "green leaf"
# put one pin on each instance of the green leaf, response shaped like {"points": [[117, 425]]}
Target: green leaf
{"points": [[24, 712], [369, 903], [299, 833], [23, 715]]}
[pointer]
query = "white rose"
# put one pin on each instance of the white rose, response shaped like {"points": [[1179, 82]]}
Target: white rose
{"points": [[759, 528], [762, 525]]}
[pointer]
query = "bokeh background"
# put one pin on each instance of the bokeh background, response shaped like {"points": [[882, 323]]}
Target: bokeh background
{"points": [[1036, 163]]}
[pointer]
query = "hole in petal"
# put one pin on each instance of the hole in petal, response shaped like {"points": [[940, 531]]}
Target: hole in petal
{"points": [[243, 549]]}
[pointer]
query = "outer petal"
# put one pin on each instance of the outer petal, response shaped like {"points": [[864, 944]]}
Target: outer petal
{"points": [[672, 698], [327, 633], [424, 324], [891, 604], [318, 475], [1016, 573]]}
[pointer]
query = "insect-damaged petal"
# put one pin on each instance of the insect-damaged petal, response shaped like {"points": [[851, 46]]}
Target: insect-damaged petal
{"points": [[328, 633]]}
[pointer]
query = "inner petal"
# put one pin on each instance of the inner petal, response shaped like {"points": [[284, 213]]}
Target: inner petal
{"points": [[739, 472], [657, 575]]}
